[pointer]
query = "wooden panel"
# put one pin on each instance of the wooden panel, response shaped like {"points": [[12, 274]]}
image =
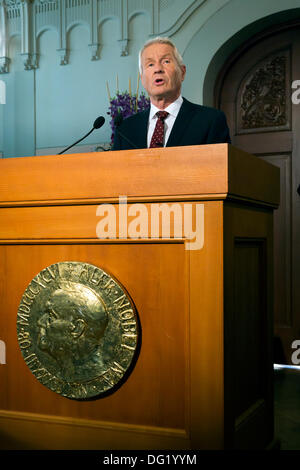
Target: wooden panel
{"points": [[282, 243], [261, 143], [245, 183], [179, 297], [206, 334], [205, 171], [21, 430], [50, 222], [249, 322], [248, 317], [159, 377], [79, 222], [153, 172]]}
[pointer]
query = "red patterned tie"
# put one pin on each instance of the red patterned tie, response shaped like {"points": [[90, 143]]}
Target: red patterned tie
{"points": [[158, 134]]}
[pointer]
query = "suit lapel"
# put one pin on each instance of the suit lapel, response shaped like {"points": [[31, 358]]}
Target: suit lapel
{"points": [[183, 119], [141, 129]]}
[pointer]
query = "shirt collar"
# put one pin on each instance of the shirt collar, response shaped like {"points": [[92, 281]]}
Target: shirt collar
{"points": [[172, 109]]}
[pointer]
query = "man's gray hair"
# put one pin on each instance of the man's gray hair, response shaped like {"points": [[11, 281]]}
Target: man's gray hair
{"points": [[160, 40]]}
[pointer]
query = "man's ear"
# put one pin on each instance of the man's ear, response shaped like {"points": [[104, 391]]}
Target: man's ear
{"points": [[183, 72], [78, 327], [142, 78]]}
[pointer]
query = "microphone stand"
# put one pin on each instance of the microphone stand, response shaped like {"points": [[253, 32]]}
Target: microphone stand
{"points": [[63, 151], [97, 124]]}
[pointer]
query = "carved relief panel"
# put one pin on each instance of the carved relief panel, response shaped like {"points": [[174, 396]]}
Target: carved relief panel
{"points": [[262, 103]]}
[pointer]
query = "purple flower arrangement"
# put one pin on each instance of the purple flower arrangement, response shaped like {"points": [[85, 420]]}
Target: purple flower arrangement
{"points": [[126, 104]]}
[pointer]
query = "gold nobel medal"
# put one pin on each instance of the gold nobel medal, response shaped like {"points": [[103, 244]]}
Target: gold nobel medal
{"points": [[78, 330]]}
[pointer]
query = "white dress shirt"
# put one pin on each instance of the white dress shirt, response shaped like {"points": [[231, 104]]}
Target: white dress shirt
{"points": [[173, 110]]}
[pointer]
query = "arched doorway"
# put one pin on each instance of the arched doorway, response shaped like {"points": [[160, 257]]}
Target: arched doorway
{"points": [[255, 91]]}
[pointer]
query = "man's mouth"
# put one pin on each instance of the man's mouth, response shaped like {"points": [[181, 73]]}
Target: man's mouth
{"points": [[158, 81]]}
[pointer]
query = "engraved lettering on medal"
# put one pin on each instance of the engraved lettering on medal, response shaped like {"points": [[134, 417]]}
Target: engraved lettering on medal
{"points": [[32, 291], [126, 346], [24, 339], [24, 308], [126, 314], [121, 302], [114, 374], [94, 279], [23, 319], [110, 284], [39, 282], [30, 358], [83, 273]]}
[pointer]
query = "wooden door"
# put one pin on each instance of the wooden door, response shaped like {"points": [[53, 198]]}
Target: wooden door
{"points": [[255, 91]]}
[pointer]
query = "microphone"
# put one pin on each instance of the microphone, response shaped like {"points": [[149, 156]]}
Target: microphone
{"points": [[97, 124], [118, 121]]}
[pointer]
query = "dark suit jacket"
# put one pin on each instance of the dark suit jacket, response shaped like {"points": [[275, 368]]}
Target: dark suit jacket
{"points": [[194, 125]]}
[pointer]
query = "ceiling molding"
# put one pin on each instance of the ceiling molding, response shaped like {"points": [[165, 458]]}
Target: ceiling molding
{"points": [[30, 18]]}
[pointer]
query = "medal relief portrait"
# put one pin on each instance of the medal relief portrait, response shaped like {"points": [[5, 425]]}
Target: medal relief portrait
{"points": [[78, 329], [71, 329]]}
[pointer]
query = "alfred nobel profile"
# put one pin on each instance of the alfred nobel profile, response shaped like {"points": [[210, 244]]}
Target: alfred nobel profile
{"points": [[70, 331]]}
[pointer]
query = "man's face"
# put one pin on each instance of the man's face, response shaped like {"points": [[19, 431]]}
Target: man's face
{"points": [[161, 75], [55, 327]]}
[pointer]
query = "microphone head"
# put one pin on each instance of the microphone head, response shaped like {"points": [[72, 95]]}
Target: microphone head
{"points": [[99, 122], [118, 120]]}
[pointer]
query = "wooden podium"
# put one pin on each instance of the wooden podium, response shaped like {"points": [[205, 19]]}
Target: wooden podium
{"points": [[203, 378]]}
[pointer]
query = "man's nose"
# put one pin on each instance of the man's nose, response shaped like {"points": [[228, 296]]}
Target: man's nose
{"points": [[158, 68]]}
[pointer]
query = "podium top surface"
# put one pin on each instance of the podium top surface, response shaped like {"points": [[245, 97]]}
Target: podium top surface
{"points": [[204, 172]]}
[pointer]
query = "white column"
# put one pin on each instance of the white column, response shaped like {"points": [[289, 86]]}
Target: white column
{"points": [[4, 60], [62, 32], [26, 34], [94, 40], [124, 29]]}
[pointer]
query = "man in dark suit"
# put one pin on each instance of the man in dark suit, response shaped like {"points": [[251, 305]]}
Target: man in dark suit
{"points": [[171, 120]]}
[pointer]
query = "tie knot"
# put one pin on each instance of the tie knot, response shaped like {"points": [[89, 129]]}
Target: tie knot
{"points": [[162, 115]]}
